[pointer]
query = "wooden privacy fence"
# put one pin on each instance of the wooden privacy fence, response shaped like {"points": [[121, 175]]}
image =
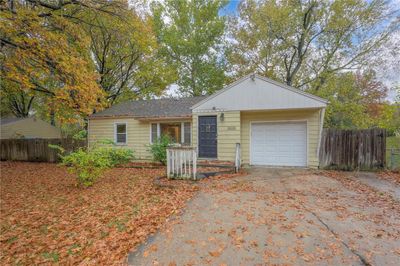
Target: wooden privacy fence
{"points": [[353, 149], [181, 162], [36, 150]]}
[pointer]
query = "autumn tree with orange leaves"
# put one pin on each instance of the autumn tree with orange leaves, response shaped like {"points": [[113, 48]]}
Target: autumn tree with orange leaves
{"points": [[44, 53], [68, 59]]}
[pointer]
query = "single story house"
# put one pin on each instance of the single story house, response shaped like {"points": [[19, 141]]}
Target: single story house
{"points": [[275, 125], [27, 128]]}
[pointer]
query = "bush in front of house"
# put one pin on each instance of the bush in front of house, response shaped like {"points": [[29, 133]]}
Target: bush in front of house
{"points": [[86, 165], [89, 164], [158, 149], [116, 156]]}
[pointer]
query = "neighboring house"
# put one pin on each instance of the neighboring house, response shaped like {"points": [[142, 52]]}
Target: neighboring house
{"points": [[275, 124], [28, 128]]}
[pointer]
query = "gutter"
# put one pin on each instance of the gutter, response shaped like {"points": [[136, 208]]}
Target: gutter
{"points": [[141, 118]]}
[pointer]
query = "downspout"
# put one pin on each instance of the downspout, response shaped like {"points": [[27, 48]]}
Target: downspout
{"points": [[321, 125]]}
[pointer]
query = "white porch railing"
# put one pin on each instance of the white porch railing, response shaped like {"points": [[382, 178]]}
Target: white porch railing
{"points": [[181, 162], [237, 157]]}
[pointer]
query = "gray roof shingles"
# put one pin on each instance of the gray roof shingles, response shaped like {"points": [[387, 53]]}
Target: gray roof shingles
{"points": [[9, 120], [167, 107]]}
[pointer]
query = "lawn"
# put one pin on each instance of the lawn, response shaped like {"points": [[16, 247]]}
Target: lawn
{"points": [[45, 218], [393, 143]]}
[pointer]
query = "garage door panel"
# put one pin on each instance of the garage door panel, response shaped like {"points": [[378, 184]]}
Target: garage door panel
{"points": [[279, 144]]}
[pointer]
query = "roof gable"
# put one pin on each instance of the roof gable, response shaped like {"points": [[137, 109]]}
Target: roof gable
{"points": [[258, 93]]}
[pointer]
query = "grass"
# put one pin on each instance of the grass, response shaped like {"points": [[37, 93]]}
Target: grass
{"points": [[393, 143]]}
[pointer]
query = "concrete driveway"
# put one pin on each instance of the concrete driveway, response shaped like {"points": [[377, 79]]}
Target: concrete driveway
{"points": [[279, 216]]}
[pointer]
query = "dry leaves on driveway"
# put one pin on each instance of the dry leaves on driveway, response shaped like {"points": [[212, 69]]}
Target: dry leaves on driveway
{"points": [[391, 176], [45, 218]]}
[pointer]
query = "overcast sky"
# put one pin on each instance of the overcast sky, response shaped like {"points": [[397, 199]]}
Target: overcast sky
{"points": [[388, 70]]}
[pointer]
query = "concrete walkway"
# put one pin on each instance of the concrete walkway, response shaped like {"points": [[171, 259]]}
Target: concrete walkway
{"points": [[276, 216]]}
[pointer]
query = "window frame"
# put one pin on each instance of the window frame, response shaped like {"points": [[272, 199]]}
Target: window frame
{"points": [[183, 133], [116, 124], [182, 124]]}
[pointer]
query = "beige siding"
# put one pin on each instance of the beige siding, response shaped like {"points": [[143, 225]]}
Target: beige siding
{"points": [[311, 116], [234, 129], [138, 133], [228, 133], [30, 128]]}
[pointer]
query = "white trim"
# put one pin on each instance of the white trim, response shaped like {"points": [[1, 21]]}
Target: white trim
{"points": [[126, 133], [282, 85], [158, 131], [168, 122], [150, 131], [182, 132], [211, 112], [279, 121], [190, 131], [321, 126]]}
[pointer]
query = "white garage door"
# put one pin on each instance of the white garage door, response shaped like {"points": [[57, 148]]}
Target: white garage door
{"points": [[279, 144]]}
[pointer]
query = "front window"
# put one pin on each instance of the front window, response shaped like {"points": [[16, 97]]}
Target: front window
{"points": [[120, 133], [173, 130], [179, 132]]}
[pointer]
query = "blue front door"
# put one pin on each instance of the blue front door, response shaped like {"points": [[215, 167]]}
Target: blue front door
{"points": [[207, 136]]}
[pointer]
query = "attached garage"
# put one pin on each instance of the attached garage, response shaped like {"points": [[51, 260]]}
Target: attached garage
{"points": [[278, 143], [274, 124]]}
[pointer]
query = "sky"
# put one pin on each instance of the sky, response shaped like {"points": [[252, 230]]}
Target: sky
{"points": [[389, 73], [230, 8]]}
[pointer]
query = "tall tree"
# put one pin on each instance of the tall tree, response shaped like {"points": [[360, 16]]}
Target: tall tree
{"points": [[14, 101], [44, 52], [191, 35], [125, 54], [303, 42], [356, 100]]}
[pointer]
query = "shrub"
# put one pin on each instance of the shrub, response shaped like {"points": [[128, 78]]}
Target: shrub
{"points": [[81, 135], [88, 164], [158, 149], [116, 156]]}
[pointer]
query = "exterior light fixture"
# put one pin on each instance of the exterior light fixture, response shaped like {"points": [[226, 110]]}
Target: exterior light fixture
{"points": [[222, 117]]}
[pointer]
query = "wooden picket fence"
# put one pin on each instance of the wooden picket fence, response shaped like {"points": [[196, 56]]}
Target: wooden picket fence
{"points": [[181, 162], [36, 150], [353, 149]]}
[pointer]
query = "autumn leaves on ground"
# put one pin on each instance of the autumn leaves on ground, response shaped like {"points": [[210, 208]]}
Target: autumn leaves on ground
{"points": [[46, 218]]}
